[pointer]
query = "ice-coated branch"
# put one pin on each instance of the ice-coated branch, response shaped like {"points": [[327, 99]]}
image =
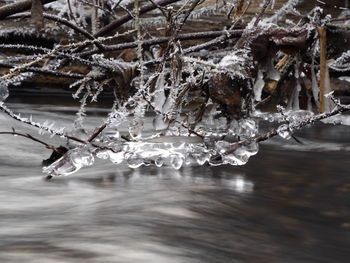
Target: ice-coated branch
{"points": [[292, 127], [49, 129]]}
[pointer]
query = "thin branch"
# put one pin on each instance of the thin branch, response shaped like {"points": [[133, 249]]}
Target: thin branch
{"points": [[63, 22], [28, 136], [160, 40], [44, 71], [291, 128], [261, 13]]}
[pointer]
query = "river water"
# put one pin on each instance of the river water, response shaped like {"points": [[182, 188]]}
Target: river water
{"points": [[290, 203]]}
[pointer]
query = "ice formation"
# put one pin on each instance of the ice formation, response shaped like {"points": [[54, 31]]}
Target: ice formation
{"points": [[170, 151], [71, 162]]}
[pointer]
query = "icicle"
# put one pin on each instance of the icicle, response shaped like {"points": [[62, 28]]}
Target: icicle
{"points": [[295, 99], [259, 85], [293, 103], [159, 94], [328, 103], [136, 125], [4, 93], [315, 88]]}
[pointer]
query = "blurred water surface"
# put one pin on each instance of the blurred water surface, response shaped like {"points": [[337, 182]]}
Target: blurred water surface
{"points": [[290, 203]]}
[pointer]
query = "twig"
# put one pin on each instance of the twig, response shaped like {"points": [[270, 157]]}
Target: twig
{"points": [[28, 136], [291, 127], [262, 11], [45, 71], [160, 40]]}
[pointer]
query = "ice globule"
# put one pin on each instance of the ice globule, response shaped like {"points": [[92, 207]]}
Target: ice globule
{"points": [[176, 161], [174, 154], [159, 161], [71, 162], [116, 156], [82, 157], [63, 166], [239, 156], [284, 131], [248, 128]]}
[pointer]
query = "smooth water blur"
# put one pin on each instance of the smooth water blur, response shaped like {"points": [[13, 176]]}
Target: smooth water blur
{"points": [[290, 203]]}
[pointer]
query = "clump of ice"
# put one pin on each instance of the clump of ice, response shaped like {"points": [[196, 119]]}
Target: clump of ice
{"points": [[71, 162], [284, 131]]}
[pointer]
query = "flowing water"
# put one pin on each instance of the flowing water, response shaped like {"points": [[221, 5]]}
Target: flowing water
{"points": [[290, 203]]}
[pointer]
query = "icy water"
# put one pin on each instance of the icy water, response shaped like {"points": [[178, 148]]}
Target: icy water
{"points": [[290, 203]]}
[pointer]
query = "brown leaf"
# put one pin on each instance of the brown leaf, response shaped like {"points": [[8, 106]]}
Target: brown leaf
{"points": [[225, 91]]}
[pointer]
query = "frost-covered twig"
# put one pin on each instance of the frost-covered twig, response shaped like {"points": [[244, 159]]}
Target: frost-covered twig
{"points": [[28, 136], [160, 40], [42, 127], [286, 8], [63, 21], [55, 55], [15, 71], [262, 11], [44, 71]]}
